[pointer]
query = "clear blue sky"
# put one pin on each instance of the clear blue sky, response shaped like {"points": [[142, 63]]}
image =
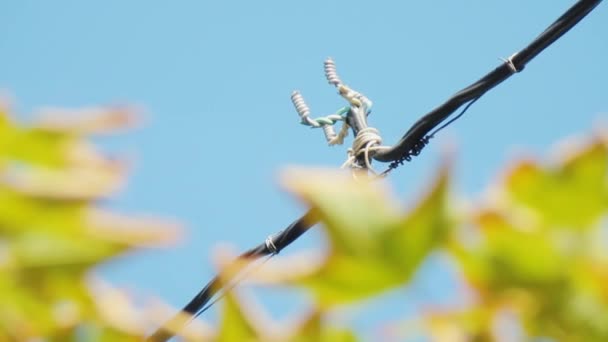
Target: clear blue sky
{"points": [[215, 79]]}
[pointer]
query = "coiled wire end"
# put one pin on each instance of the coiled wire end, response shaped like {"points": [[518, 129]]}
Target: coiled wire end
{"points": [[330, 72], [301, 107]]}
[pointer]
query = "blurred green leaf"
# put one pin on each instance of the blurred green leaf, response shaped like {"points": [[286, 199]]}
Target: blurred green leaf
{"points": [[539, 253], [240, 322], [373, 247], [512, 256], [234, 324], [51, 234], [315, 329], [45, 249], [574, 194]]}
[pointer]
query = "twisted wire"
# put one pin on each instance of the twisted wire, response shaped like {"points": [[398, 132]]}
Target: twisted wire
{"points": [[324, 122], [339, 138], [355, 99]]}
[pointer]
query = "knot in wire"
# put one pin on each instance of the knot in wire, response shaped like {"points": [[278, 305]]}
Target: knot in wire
{"points": [[367, 138], [366, 142]]}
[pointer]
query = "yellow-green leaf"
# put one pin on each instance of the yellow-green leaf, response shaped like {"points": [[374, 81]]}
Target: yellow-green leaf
{"points": [[235, 325], [314, 328], [373, 246], [574, 194], [52, 234]]}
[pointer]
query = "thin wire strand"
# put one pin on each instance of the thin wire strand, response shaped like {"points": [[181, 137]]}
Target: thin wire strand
{"points": [[464, 110]]}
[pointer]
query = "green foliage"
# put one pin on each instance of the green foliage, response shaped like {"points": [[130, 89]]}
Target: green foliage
{"points": [[373, 246], [541, 252], [572, 195], [240, 323], [535, 247], [52, 233]]}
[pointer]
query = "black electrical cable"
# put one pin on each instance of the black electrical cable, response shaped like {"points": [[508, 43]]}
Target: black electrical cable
{"points": [[409, 145], [280, 241]]}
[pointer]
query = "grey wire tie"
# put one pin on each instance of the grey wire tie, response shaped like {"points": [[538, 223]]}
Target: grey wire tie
{"points": [[271, 246], [510, 64]]}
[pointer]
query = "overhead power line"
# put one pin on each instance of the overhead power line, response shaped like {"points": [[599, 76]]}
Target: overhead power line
{"points": [[411, 144]]}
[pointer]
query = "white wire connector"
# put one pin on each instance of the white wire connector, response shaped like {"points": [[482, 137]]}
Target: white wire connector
{"points": [[356, 100]]}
